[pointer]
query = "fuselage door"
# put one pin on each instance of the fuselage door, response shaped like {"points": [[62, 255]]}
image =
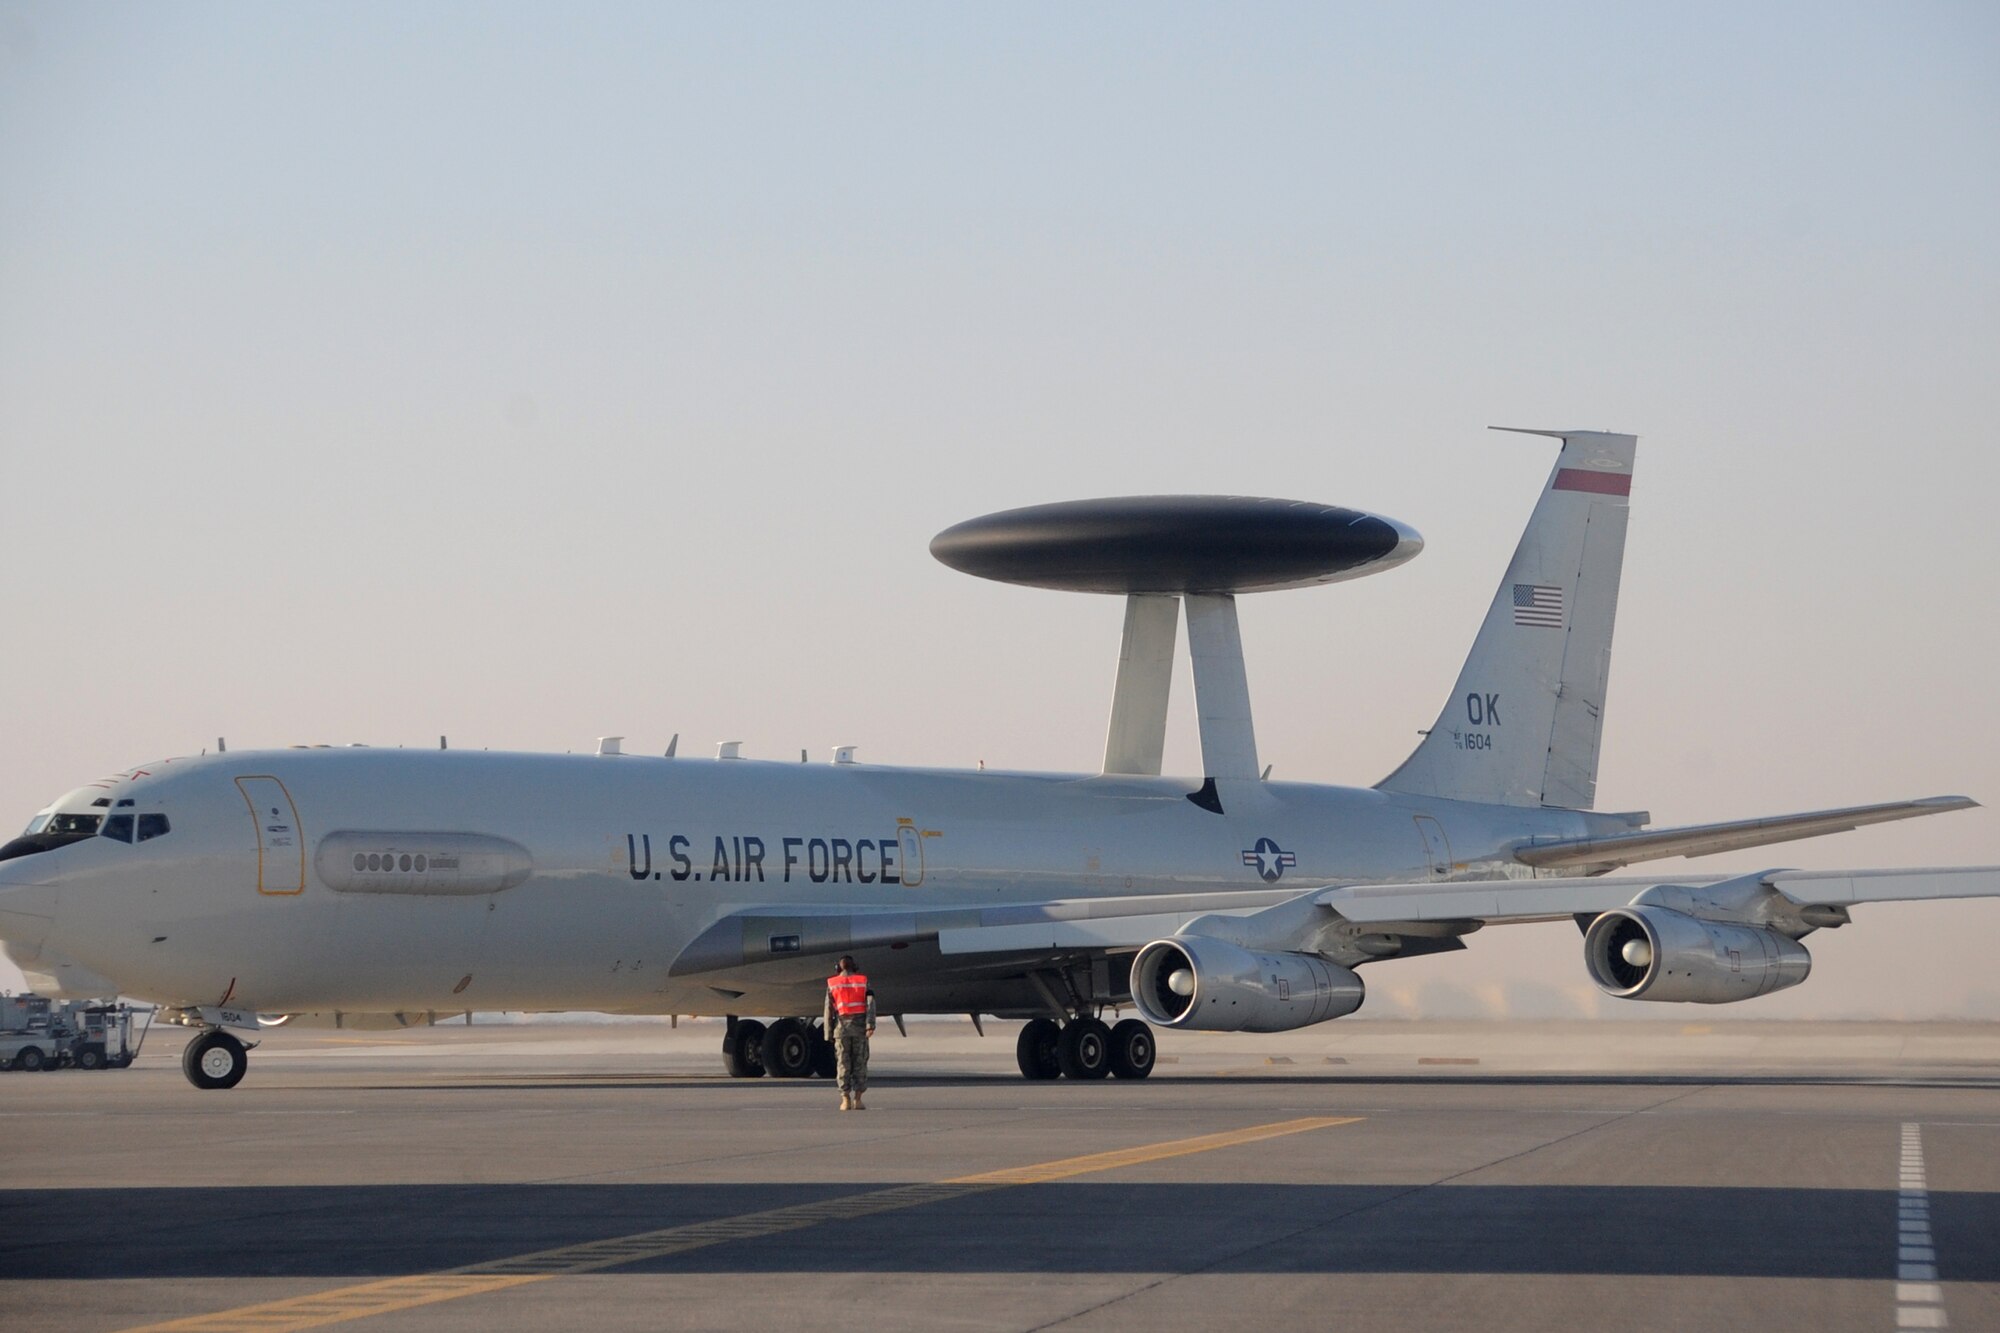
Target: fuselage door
{"points": [[281, 843], [1436, 850], [913, 854]]}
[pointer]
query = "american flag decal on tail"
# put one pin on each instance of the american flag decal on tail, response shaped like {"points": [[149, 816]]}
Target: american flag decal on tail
{"points": [[1538, 605]]}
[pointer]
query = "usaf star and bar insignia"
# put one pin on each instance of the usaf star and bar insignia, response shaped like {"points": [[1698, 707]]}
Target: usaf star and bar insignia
{"points": [[1271, 860]]}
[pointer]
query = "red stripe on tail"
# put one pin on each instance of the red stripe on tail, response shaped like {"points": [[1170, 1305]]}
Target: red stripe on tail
{"points": [[1599, 483]]}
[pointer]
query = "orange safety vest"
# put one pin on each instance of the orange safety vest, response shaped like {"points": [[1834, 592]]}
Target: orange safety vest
{"points": [[850, 994]]}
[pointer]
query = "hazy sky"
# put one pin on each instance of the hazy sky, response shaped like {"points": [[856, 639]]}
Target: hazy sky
{"points": [[532, 373]]}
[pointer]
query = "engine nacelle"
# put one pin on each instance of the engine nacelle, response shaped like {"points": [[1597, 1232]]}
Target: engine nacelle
{"points": [[1200, 984], [1653, 953]]}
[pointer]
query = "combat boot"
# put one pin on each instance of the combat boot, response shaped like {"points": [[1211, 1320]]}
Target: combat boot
{"points": [[857, 1103], [846, 1102]]}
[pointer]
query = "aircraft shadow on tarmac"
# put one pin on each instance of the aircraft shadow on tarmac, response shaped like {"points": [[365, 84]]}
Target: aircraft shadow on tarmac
{"points": [[388, 1230], [1984, 1077]]}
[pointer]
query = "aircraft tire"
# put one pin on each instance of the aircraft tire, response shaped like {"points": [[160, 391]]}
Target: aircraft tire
{"points": [[742, 1049], [786, 1050], [1132, 1049], [214, 1061], [826, 1061], [1035, 1050], [1085, 1049]]}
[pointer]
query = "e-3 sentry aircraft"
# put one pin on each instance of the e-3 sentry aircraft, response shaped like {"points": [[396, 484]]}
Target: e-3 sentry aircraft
{"points": [[360, 881]]}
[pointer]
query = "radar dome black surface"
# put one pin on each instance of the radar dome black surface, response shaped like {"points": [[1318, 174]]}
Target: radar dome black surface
{"points": [[1176, 544]]}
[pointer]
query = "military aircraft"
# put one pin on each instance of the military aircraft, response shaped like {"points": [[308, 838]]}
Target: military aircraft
{"points": [[239, 887]]}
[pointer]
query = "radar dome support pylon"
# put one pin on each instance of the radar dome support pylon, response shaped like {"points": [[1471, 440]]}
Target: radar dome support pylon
{"points": [[1163, 551]]}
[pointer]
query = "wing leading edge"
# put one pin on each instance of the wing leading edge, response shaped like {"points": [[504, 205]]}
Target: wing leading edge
{"points": [[1595, 856], [1495, 901]]}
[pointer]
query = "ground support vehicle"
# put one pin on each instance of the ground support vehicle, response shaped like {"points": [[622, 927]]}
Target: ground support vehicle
{"points": [[38, 1033], [101, 1036]]}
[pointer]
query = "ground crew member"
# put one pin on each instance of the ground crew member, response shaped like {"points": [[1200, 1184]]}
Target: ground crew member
{"points": [[849, 1016]]}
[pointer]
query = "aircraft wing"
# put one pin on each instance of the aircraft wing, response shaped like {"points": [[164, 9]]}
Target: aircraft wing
{"points": [[780, 934], [787, 931], [1545, 899], [1594, 856]]}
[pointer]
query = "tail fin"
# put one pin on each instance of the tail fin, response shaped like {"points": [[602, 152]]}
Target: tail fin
{"points": [[1523, 723]]}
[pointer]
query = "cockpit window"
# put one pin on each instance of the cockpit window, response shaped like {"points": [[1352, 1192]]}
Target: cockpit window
{"points": [[49, 832], [117, 826], [153, 826]]}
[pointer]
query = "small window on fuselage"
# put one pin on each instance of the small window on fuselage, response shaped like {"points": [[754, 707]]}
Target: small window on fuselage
{"points": [[117, 826], [153, 826]]}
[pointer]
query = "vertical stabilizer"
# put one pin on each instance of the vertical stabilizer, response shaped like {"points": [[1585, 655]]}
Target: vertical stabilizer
{"points": [[1523, 723]]}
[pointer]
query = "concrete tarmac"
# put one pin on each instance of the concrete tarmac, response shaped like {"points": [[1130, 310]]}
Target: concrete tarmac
{"points": [[1389, 1175]]}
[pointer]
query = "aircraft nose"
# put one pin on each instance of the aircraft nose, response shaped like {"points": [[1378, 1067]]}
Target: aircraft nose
{"points": [[28, 899]]}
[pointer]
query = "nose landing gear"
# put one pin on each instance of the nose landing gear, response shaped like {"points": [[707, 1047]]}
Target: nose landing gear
{"points": [[215, 1060]]}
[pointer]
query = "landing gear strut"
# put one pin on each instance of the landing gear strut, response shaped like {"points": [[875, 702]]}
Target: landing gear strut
{"points": [[215, 1060]]}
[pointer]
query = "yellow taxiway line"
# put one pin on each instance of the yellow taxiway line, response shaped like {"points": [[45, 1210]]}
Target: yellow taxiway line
{"points": [[403, 1293]]}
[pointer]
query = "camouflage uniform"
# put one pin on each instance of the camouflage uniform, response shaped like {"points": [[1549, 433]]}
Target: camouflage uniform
{"points": [[850, 1045]]}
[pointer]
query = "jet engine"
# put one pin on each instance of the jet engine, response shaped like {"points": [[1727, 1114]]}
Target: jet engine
{"points": [[1196, 983], [1653, 953]]}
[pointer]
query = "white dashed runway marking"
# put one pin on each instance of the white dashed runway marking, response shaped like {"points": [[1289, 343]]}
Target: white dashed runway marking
{"points": [[1919, 1295]]}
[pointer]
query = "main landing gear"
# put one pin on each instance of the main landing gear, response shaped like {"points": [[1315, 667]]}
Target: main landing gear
{"points": [[215, 1060], [1084, 1048], [1081, 1048], [788, 1048]]}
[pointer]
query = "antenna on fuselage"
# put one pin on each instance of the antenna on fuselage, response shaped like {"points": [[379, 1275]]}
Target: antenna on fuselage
{"points": [[673, 745], [442, 745], [221, 745], [1163, 553]]}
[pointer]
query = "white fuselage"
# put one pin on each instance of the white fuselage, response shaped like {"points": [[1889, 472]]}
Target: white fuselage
{"points": [[628, 859]]}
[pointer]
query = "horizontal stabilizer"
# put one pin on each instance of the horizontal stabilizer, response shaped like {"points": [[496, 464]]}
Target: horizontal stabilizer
{"points": [[1594, 856]]}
